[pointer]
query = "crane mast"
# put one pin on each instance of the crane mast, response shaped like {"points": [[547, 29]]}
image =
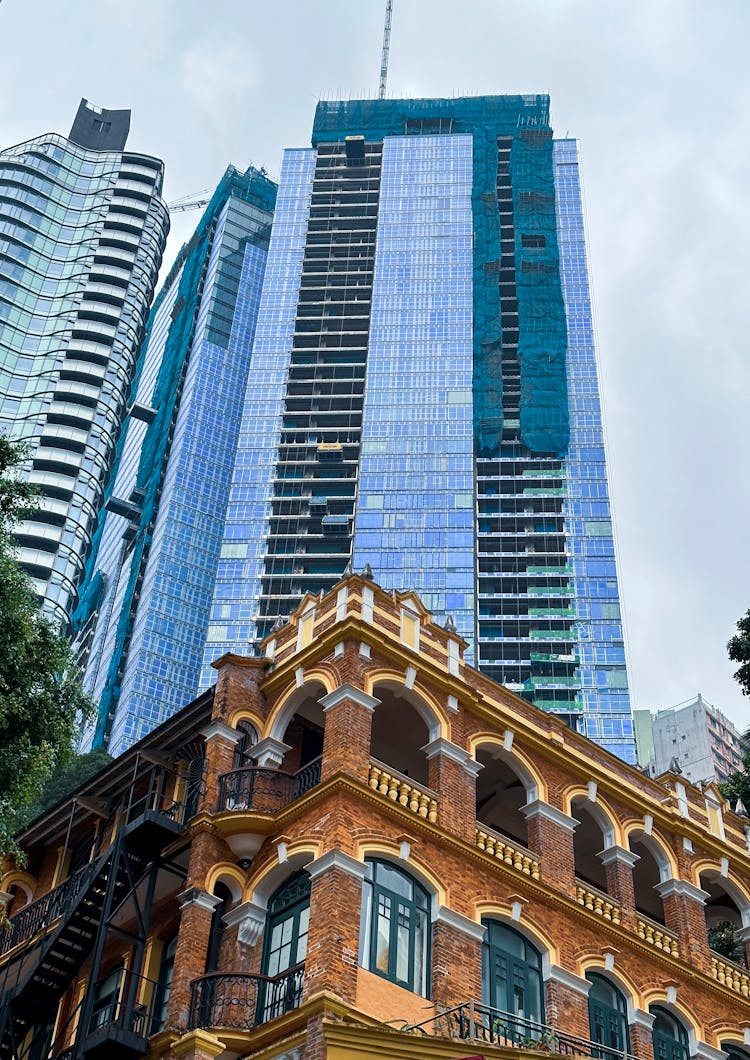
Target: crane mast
{"points": [[386, 48]]}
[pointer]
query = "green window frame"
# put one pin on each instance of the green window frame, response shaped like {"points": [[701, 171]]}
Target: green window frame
{"points": [[608, 1017], [670, 1039], [285, 947], [395, 927], [512, 975]]}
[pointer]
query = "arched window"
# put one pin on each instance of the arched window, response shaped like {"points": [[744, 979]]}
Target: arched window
{"points": [[608, 1021], [216, 933], [395, 927], [285, 947], [248, 739], [735, 1051], [512, 975], [669, 1036]]}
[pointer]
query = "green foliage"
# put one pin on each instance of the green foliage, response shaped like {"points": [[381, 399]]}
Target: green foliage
{"points": [[41, 698], [722, 941], [62, 782], [738, 785], [739, 652]]}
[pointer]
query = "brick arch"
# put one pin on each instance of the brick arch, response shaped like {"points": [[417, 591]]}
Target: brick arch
{"points": [[230, 875], [419, 697], [286, 705], [733, 887], [602, 813], [678, 1009], [524, 925], [517, 760], [594, 962], [243, 714], [659, 847], [270, 876], [729, 1033], [23, 880], [418, 869]]}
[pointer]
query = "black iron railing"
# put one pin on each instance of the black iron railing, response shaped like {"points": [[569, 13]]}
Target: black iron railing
{"points": [[265, 790], [45, 910], [474, 1022], [242, 1002]]}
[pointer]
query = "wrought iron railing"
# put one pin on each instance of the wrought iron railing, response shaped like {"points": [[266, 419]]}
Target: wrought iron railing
{"points": [[474, 1022], [265, 790], [242, 1002], [45, 910]]}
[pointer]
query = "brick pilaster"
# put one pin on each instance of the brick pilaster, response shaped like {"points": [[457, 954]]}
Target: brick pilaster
{"points": [[641, 1039], [551, 836], [566, 1001], [348, 732], [456, 959], [333, 941], [452, 774], [684, 914], [618, 867], [190, 954]]}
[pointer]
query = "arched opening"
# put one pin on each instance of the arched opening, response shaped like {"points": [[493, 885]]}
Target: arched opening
{"points": [[608, 1015], [163, 985], [647, 875], [304, 730], [400, 732], [735, 1051], [512, 980], [501, 793], [589, 839], [723, 919], [20, 899], [216, 933], [243, 747], [285, 947], [669, 1037], [394, 936]]}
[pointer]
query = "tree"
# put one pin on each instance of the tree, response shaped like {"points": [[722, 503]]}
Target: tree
{"points": [[738, 785], [739, 652], [41, 697], [80, 769]]}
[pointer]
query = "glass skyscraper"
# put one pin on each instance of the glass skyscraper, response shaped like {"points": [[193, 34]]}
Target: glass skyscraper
{"points": [[423, 397], [82, 231], [143, 614]]}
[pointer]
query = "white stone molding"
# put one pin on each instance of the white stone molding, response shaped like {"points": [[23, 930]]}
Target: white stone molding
{"points": [[683, 889], [270, 752], [195, 896], [539, 808], [346, 691], [441, 746], [556, 974], [250, 920], [336, 859], [625, 857], [638, 1017], [220, 728], [443, 915], [703, 1051]]}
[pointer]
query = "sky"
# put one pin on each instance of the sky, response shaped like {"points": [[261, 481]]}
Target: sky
{"points": [[658, 94]]}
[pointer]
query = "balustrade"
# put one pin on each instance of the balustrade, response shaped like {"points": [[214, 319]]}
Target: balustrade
{"points": [[398, 788], [243, 1002], [657, 936], [731, 975], [510, 854], [597, 903], [261, 789]]}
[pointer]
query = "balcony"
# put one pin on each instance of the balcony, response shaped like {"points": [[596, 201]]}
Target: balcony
{"points": [[243, 1002], [479, 1023], [258, 789], [403, 790]]}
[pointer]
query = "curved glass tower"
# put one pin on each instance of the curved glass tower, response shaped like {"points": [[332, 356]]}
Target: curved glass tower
{"points": [[82, 232]]}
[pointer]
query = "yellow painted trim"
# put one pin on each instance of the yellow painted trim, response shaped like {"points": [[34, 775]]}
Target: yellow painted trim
{"points": [[575, 791], [707, 865], [525, 925], [201, 1041], [24, 880], [151, 963], [318, 675], [376, 677], [304, 846], [61, 867], [222, 871], [493, 739], [369, 847], [595, 963], [629, 827], [246, 715], [659, 997]]}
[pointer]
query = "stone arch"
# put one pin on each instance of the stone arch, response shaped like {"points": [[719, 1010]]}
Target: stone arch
{"points": [[387, 851], [517, 760], [418, 697], [618, 978], [232, 878], [524, 925], [270, 877], [678, 1009], [316, 684]]}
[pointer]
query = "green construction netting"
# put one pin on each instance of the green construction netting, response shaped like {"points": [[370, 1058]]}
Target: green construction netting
{"points": [[252, 187], [542, 346]]}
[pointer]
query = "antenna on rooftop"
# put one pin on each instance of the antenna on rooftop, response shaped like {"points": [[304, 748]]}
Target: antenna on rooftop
{"points": [[386, 48]]}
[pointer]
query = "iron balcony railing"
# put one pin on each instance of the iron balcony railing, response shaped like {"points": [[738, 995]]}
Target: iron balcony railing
{"points": [[475, 1022], [265, 790], [242, 1002], [45, 910]]}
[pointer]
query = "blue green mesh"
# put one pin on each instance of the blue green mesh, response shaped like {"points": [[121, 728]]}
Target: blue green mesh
{"points": [[542, 345], [252, 187]]}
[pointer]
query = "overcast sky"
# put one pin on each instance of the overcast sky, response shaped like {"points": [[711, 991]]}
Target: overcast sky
{"points": [[657, 91]]}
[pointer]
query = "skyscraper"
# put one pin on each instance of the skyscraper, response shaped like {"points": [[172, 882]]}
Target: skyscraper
{"points": [[143, 615], [423, 397], [82, 231]]}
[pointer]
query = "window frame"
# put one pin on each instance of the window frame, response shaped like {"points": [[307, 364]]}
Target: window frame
{"points": [[419, 907], [675, 1046], [620, 1010], [490, 948]]}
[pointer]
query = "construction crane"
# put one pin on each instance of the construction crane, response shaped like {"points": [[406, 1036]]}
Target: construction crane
{"points": [[191, 202], [386, 48]]}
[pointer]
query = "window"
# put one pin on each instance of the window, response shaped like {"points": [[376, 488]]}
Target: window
{"points": [[163, 986], [106, 999], [243, 747], [511, 975], [608, 1024], [394, 933], [669, 1036], [285, 947]]}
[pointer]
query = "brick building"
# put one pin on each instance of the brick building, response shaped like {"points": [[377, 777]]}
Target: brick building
{"points": [[357, 846]]}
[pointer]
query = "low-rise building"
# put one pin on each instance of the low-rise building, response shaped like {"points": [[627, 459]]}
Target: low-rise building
{"points": [[357, 846]]}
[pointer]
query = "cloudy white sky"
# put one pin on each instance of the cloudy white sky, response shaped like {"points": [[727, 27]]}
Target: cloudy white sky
{"points": [[658, 93]]}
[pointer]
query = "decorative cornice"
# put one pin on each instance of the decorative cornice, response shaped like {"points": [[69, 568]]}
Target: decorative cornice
{"points": [[217, 727], [336, 859], [683, 889], [574, 982], [251, 919], [539, 808], [703, 1051], [195, 896], [441, 746], [343, 692], [444, 915], [638, 1017], [269, 751], [618, 854], [198, 1042]]}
